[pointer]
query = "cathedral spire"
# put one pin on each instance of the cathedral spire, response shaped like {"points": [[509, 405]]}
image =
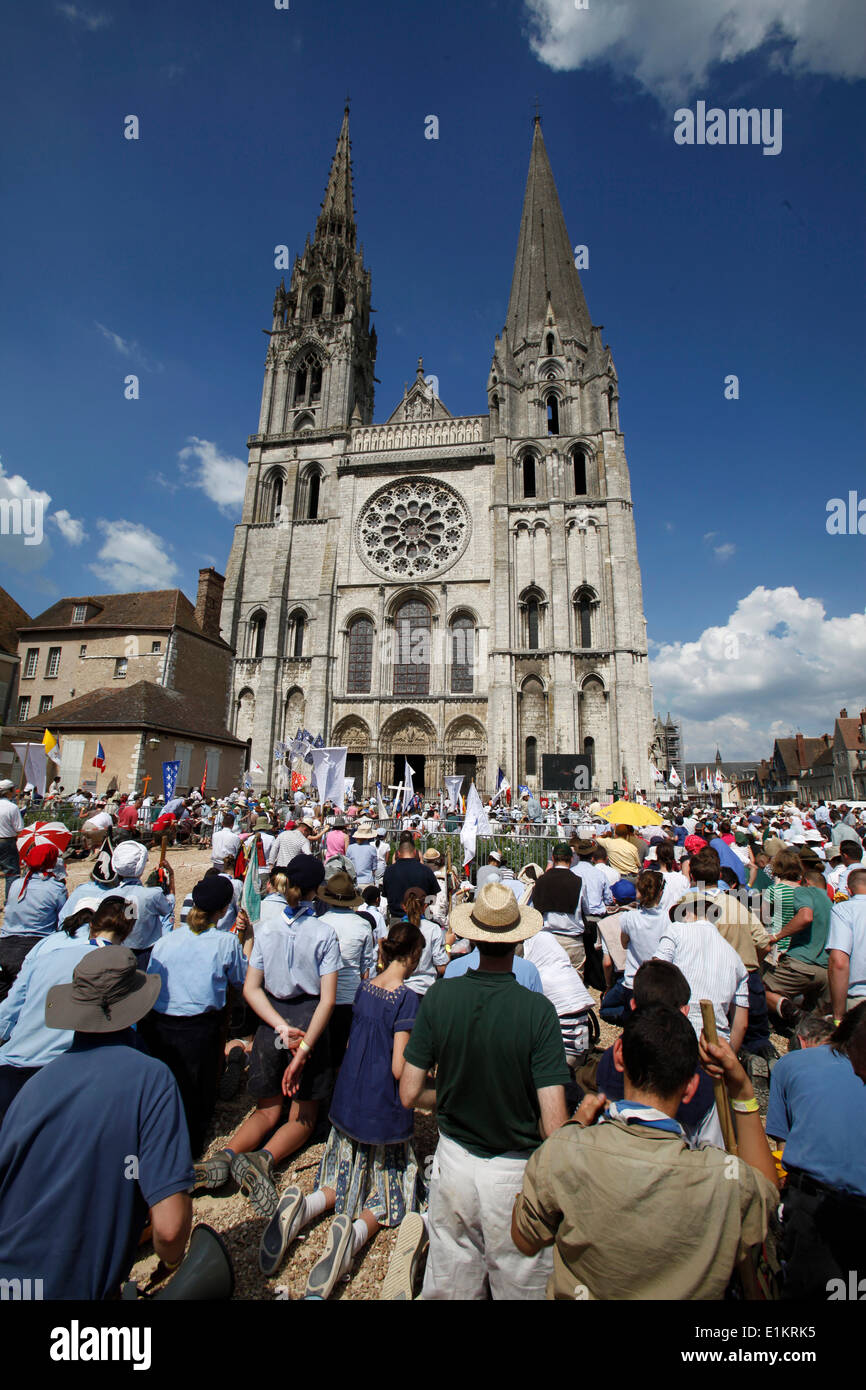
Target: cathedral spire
{"points": [[337, 218], [544, 270]]}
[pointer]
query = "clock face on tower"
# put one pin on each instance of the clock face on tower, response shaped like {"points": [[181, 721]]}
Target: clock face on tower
{"points": [[414, 528]]}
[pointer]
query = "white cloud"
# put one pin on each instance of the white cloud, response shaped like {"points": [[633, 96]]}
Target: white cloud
{"points": [[73, 531], [87, 20], [725, 551], [132, 558], [128, 348], [222, 477], [669, 46], [778, 664]]}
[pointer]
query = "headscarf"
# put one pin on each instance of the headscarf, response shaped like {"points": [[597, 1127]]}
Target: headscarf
{"points": [[38, 859]]}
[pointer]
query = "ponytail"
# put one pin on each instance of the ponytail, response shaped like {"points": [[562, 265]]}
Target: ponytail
{"points": [[402, 941], [414, 903]]}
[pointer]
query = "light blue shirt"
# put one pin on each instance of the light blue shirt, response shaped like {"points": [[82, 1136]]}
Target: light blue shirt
{"points": [[294, 951], [196, 970], [155, 913], [22, 1014], [596, 889], [848, 933], [84, 890], [524, 971], [363, 855], [357, 952], [38, 912]]}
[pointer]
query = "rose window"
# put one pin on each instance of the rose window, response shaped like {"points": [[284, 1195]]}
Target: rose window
{"points": [[413, 528]]}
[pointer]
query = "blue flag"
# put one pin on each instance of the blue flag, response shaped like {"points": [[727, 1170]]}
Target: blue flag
{"points": [[169, 778]]}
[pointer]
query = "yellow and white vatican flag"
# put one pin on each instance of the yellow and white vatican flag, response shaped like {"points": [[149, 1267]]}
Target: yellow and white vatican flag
{"points": [[51, 746]]}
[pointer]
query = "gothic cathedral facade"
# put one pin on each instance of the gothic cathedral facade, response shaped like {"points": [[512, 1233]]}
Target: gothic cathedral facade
{"points": [[462, 591]]}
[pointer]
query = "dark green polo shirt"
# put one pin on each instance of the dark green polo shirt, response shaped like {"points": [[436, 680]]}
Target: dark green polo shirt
{"points": [[495, 1044]]}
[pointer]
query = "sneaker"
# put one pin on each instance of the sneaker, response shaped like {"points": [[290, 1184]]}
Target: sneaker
{"points": [[399, 1284], [327, 1270], [213, 1172], [789, 1013], [230, 1082], [281, 1230], [254, 1175]]}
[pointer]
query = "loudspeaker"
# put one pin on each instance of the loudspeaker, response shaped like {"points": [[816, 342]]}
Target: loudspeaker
{"points": [[206, 1273]]}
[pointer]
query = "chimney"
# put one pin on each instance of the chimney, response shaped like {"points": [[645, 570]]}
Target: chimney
{"points": [[209, 601], [843, 714], [801, 750]]}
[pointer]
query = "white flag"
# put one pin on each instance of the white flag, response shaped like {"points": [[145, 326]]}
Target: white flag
{"points": [[475, 824], [674, 777], [408, 785], [452, 789], [33, 759], [655, 774], [329, 771]]}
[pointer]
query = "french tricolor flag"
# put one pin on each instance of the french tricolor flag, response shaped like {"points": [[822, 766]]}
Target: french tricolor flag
{"points": [[99, 760]]}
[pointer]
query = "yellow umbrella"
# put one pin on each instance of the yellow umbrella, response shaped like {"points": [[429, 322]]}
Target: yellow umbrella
{"points": [[628, 813]]}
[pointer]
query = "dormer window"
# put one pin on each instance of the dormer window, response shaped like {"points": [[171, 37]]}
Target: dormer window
{"points": [[79, 613]]}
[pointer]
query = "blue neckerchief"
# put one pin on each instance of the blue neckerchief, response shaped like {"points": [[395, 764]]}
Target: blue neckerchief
{"points": [[634, 1112]]}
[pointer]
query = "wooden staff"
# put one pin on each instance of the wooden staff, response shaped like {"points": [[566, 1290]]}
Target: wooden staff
{"points": [[721, 1095]]}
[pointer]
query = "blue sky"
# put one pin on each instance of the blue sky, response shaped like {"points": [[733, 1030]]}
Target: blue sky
{"points": [[155, 257]]}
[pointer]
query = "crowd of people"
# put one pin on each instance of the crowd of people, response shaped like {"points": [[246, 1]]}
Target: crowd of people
{"points": [[366, 979]]}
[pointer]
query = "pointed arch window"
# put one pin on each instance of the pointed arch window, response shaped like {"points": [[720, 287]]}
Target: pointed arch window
{"points": [[359, 677], [256, 636], [589, 752], [316, 382], [272, 496], [552, 414], [412, 632], [297, 628], [532, 624], [584, 603], [313, 497], [462, 654], [551, 345], [317, 302], [300, 395], [339, 302]]}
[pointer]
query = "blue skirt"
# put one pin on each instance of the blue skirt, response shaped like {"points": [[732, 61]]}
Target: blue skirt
{"points": [[380, 1178]]}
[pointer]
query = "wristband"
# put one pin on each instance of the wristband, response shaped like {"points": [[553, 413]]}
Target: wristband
{"points": [[172, 1267], [745, 1107], [836, 1022], [304, 1046]]}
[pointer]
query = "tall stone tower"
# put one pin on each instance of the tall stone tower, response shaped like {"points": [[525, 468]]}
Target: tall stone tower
{"points": [[569, 669], [460, 590]]}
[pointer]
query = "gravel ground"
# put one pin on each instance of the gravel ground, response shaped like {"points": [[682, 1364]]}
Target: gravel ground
{"points": [[229, 1212]]}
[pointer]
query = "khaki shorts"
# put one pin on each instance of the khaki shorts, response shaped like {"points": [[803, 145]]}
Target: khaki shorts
{"points": [[791, 976]]}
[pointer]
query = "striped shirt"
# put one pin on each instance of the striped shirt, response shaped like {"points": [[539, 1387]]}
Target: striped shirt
{"points": [[712, 967]]}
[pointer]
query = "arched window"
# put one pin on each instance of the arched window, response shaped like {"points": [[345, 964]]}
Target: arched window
{"points": [[256, 637], [583, 619], [532, 624], [359, 676], [589, 752], [339, 302], [494, 414], [316, 382], [271, 496], [313, 497], [317, 302], [300, 395], [551, 345], [412, 649], [579, 461], [462, 654], [308, 381], [297, 624], [552, 415], [531, 757], [528, 476]]}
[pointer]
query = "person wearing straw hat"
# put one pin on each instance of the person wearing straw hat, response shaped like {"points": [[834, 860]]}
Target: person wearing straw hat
{"points": [[93, 1141], [357, 952], [362, 852], [500, 1080]]}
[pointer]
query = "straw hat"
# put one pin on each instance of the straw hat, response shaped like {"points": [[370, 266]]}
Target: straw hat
{"points": [[584, 848], [432, 855], [495, 915]]}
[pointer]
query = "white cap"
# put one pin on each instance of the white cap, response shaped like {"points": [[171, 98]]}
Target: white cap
{"points": [[6, 785], [129, 859]]}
